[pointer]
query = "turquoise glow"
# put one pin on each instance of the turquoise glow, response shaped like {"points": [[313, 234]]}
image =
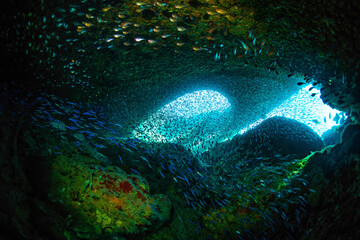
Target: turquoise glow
{"points": [[181, 119], [197, 118], [307, 109]]}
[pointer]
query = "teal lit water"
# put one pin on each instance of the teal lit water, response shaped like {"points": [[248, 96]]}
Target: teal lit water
{"points": [[152, 96]]}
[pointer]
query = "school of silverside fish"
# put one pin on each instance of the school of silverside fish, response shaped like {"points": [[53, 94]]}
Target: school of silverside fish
{"points": [[214, 193], [61, 45]]}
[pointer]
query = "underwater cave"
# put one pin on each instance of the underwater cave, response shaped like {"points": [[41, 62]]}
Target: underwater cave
{"points": [[179, 120], [183, 115]]}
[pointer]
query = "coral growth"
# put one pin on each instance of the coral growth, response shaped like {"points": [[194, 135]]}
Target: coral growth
{"points": [[105, 200]]}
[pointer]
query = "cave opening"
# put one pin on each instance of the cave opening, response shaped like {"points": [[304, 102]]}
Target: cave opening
{"points": [[306, 106], [189, 119], [200, 119]]}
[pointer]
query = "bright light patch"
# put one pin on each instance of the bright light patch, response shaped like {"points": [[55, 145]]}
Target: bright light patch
{"points": [[192, 104], [306, 109], [181, 118]]}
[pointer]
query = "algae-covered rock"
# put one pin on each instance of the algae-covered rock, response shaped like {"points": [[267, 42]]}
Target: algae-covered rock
{"points": [[333, 174], [105, 200]]}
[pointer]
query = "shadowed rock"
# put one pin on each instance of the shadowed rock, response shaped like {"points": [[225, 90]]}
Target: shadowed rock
{"points": [[281, 135], [275, 139]]}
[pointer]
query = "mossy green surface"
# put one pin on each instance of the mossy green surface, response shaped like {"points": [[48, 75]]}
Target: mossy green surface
{"points": [[105, 200]]}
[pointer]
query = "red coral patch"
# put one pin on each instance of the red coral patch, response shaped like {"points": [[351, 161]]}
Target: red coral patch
{"points": [[125, 186]]}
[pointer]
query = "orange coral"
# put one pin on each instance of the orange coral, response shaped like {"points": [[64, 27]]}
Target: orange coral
{"points": [[119, 202]]}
